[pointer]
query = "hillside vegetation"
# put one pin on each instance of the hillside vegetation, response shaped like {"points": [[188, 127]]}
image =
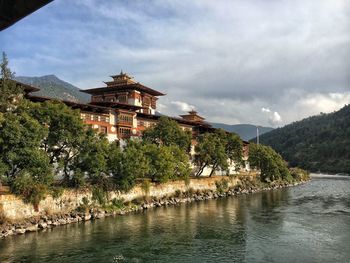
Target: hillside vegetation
{"points": [[245, 131], [318, 143], [52, 87]]}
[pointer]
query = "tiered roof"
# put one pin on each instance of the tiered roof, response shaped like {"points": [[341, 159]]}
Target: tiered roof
{"points": [[123, 82], [193, 116]]}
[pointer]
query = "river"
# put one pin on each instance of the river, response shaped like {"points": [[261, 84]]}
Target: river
{"points": [[306, 223]]}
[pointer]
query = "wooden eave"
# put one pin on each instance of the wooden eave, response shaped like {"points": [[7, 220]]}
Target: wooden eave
{"points": [[12, 11], [73, 105], [179, 120], [136, 86], [117, 105], [197, 116]]}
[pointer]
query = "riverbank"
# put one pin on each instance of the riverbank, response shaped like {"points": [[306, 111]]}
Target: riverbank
{"points": [[138, 199]]}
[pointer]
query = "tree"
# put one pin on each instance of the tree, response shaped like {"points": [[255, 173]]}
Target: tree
{"points": [[92, 159], [10, 92], [25, 165], [234, 149], [182, 169], [65, 136], [161, 163], [167, 132], [271, 165], [20, 140], [211, 151], [127, 165]]}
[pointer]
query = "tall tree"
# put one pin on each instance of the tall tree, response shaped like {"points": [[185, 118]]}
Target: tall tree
{"points": [[271, 165], [211, 151], [20, 140], [10, 92], [25, 165], [127, 165], [65, 133], [182, 169], [161, 163], [167, 132], [92, 159], [234, 149]]}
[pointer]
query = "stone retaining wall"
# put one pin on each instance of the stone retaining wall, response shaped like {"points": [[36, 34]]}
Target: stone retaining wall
{"points": [[14, 209], [63, 209]]}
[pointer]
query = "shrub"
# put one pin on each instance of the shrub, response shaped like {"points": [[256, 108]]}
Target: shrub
{"points": [[99, 195], [299, 174], [84, 206], [31, 191], [57, 192], [118, 203], [222, 185], [77, 180]]}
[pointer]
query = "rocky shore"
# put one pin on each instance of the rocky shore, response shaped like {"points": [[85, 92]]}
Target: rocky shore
{"points": [[50, 221]]}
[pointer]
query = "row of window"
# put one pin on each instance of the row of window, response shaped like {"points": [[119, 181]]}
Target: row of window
{"points": [[125, 118], [94, 117], [124, 131]]}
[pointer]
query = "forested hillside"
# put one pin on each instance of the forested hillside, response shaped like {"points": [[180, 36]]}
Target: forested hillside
{"points": [[246, 131], [318, 143], [53, 87]]}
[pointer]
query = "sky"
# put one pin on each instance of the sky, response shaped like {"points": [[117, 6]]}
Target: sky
{"points": [[263, 62]]}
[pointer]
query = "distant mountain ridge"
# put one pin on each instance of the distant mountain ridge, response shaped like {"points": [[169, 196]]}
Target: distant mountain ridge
{"points": [[245, 131], [53, 87], [318, 143]]}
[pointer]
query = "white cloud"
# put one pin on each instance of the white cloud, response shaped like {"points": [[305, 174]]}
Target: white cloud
{"points": [[183, 106], [236, 58], [265, 109], [324, 102], [275, 119]]}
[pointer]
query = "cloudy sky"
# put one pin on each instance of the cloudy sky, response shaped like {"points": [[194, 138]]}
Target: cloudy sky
{"points": [[266, 62]]}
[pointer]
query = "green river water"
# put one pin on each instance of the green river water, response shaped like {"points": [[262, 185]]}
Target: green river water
{"points": [[307, 223]]}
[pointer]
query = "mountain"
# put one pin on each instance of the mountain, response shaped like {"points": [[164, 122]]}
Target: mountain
{"points": [[53, 87], [318, 143], [246, 131]]}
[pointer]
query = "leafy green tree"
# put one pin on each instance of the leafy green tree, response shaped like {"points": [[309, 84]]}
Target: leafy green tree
{"points": [[25, 165], [271, 165], [20, 140], [10, 92], [92, 159], [182, 169], [234, 149], [161, 163], [30, 188], [167, 132], [65, 136], [127, 165], [210, 151]]}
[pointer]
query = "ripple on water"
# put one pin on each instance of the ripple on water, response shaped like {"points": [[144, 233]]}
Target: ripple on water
{"points": [[308, 223]]}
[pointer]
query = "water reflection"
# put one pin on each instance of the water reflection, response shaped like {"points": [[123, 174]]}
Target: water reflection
{"points": [[278, 226]]}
